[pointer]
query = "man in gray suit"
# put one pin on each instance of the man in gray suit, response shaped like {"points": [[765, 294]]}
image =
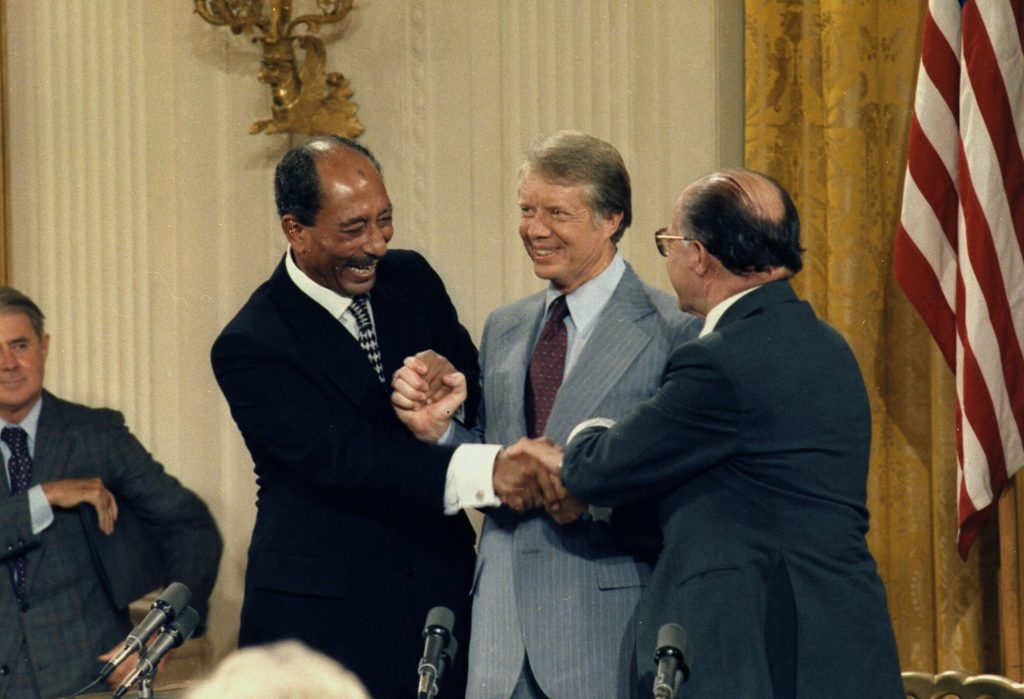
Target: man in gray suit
{"points": [[68, 467], [552, 605], [757, 447]]}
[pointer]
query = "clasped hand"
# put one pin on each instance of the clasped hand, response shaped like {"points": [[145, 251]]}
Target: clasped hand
{"points": [[528, 475], [428, 389], [426, 392]]}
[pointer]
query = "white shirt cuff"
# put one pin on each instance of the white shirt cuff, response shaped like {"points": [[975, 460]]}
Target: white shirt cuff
{"points": [[39, 509], [449, 434], [586, 424], [470, 478]]}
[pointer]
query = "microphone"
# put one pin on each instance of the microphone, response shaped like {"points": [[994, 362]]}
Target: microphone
{"points": [[671, 655], [171, 636], [447, 657], [439, 641], [167, 606]]}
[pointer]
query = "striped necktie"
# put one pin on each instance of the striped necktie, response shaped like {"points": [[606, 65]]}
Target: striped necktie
{"points": [[367, 338]]}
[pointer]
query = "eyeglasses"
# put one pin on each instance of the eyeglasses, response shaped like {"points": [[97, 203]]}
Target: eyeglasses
{"points": [[661, 240]]}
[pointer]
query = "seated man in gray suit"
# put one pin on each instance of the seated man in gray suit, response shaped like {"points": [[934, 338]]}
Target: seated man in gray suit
{"points": [[68, 471], [552, 605]]}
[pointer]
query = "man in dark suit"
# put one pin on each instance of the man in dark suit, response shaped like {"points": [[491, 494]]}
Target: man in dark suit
{"points": [[351, 546], [757, 444], [58, 611]]}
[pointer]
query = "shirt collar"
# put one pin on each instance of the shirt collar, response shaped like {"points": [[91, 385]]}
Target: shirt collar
{"points": [[586, 302], [333, 302], [716, 313], [31, 422]]}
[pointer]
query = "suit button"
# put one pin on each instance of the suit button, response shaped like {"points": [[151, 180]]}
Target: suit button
{"points": [[4, 671], [25, 606]]}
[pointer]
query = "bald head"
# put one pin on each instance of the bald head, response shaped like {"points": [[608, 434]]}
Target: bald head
{"points": [[745, 219], [753, 192], [297, 187]]}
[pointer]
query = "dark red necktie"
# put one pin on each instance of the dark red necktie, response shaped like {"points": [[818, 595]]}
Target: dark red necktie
{"points": [[546, 368], [19, 469]]}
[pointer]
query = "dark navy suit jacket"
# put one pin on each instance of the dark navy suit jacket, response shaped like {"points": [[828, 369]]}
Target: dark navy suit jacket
{"points": [[757, 444], [351, 548]]}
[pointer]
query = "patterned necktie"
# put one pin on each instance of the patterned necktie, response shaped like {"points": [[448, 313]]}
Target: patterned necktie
{"points": [[546, 368], [19, 468], [367, 338]]}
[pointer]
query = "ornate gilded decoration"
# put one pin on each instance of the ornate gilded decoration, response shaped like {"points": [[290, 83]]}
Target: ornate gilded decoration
{"points": [[306, 99]]}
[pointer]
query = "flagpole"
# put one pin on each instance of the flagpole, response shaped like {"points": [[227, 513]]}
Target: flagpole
{"points": [[1009, 584]]}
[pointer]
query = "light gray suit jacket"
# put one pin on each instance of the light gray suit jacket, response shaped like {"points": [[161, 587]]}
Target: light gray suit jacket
{"points": [[562, 594]]}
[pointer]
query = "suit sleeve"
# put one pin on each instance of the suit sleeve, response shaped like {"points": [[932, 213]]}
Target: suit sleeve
{"points": [[15, 525], [187, 534], [688, 426], [321, 440]]}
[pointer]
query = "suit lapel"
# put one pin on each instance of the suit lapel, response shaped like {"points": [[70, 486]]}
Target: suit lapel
{"points": [[53, 444], [390, 323], [506, 365], [325, 344], [50, 460], [614, 344]]}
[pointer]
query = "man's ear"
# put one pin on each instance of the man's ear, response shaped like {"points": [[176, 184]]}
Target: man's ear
{"points": [[292, 229], [703, 262], [611, 224]]}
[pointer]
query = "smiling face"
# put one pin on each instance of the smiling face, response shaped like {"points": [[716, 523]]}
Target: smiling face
{"points": [[351, 232], [567, 243], [22, 364]]}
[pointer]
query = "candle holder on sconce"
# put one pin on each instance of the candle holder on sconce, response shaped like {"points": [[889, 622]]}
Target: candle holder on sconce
{"points": [[306, 99]]}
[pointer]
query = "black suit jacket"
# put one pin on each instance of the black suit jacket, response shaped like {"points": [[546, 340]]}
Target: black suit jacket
{"points": [[69, 617], [351, 547], [757, 444]]}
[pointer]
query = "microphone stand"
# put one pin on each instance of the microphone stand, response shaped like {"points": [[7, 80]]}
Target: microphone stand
{"points": [[146, 687]]}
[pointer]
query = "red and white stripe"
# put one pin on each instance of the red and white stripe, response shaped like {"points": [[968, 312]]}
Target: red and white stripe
{"points": [[959, 251]]}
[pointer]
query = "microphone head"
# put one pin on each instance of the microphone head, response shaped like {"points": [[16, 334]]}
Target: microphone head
{"points": [[173, 599], [185, 625], [439, 619], [672, 640], [671, 636]]}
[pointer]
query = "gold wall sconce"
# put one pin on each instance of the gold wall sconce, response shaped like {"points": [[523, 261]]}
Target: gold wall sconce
{"points": [[306, 99]]}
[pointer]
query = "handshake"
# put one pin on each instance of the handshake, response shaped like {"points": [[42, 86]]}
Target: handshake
{"points": [[428, 391], [528, 475]]}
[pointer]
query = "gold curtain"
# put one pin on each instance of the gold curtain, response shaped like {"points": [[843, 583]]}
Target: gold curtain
{"points": [[829, 94]]}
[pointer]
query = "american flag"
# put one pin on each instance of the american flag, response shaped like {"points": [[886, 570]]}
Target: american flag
{"points": [[959, 251]]}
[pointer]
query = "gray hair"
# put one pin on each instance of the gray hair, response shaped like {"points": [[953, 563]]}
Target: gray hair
{"points": [[13, 301], [575, 158]]}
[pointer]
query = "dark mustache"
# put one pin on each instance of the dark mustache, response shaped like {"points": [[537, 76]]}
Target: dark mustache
{"points": [[362, 262]]}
